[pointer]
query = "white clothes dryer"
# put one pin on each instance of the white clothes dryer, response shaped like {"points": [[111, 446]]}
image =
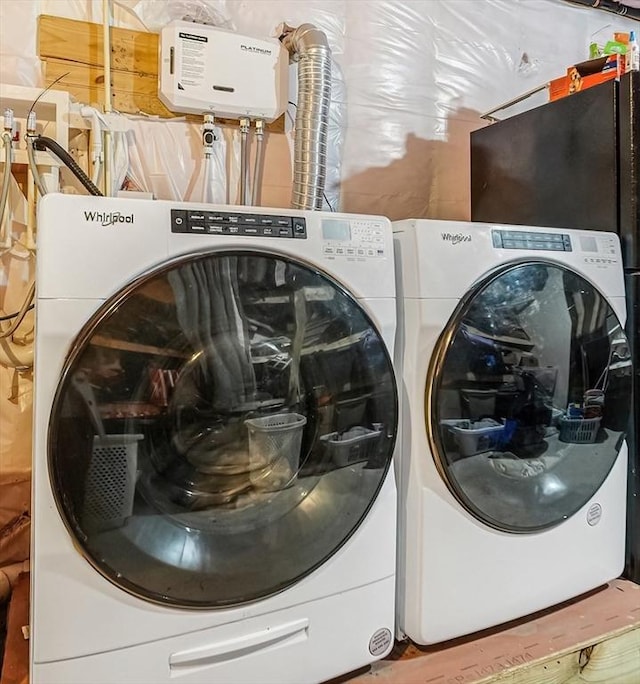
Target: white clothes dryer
{"points": [[215, 418], [515, 398]]}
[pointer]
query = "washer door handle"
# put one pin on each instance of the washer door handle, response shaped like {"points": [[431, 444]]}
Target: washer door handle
{"points": [[231, 649]]}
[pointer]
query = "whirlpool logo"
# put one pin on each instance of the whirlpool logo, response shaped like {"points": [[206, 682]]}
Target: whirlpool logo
{"points": [[456, 238], [108, 218]]}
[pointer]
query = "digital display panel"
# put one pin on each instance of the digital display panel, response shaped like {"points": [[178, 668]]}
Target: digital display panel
{"points": [[333, 229], [588, 244]]}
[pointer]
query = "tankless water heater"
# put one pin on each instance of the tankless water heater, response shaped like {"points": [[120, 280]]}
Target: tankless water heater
{"points": [[208, 69]]}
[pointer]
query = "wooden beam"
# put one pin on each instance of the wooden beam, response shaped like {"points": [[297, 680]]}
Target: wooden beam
{"points": [[132, 93], [81, 41]]}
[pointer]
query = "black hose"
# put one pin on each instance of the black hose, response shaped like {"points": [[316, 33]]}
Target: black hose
{"points": [[8, 317], [43, 143]]}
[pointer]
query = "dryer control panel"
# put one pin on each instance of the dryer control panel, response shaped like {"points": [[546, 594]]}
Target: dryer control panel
{"points": [[237, 223], [521, 239], [358, 238]]}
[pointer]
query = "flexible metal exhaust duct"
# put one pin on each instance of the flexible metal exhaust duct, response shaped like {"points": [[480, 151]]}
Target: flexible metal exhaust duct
{"points": [[308, 46]]}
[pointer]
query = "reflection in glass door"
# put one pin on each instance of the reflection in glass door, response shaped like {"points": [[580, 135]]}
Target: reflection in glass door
{"points": [[529, 396], [222, 427]]}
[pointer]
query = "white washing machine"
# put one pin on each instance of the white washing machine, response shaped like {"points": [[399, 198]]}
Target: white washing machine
{"points": [[515, 398], [215, 418]]}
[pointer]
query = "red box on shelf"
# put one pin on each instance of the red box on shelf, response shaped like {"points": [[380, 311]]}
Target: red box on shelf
{"points": [[586, 74]]}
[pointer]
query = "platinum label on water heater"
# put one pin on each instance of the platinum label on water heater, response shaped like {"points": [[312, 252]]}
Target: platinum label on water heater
{"points": [[594, 514], [380, 642]]}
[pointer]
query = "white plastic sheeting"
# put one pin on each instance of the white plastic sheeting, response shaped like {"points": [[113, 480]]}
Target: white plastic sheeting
{"points": [[154, 15], [166, 158], [413, 78], [17, 268]]}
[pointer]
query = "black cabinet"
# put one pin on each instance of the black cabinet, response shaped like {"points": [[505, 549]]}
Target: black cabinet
{"points": [[574, 163]]}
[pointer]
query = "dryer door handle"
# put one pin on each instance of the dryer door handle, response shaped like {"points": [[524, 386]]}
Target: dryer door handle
{"points": [[224, 651]]}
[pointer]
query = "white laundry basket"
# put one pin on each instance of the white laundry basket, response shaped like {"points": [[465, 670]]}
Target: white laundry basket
{"points": [[274, 449], [353, 446], [111, 482]]}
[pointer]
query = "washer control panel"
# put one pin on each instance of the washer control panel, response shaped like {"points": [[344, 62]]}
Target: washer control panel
{"points": [[521, 239], [599, 249], [352, 238], [237, 223]]}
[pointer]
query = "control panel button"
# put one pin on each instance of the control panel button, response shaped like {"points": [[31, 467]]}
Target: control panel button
{"points": [[214, 217], [516, 239], [179, 221], [237, 223]]}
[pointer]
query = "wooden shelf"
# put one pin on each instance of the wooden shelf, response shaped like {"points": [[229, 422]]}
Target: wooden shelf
{"points": [[123, 345], [131, 409], [593, 638], [340, 344], [52, 120]]}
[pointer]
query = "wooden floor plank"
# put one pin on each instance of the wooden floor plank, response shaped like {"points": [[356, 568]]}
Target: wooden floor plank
{"points": [[615, 660], [594, 638]]}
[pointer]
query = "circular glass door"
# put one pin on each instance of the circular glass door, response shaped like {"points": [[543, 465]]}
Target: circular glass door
{"points": [[222, 426], [529, 396]]}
